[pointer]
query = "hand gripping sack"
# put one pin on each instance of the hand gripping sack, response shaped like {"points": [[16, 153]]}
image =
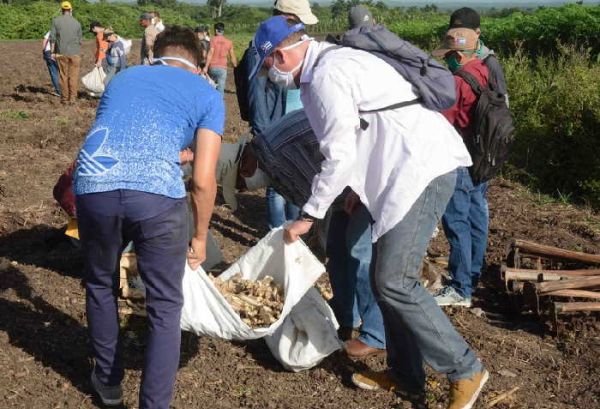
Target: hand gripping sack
{"points": [[94, 80], [492, 131], [432, 82], [206, 312]]}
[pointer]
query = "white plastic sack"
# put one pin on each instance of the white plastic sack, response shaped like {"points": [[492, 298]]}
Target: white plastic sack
{"points": [[206, 312], [126, 45], [308, 334], [210, 81], [94, 80]]}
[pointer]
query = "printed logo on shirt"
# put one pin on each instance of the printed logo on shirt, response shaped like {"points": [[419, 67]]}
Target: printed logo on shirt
{"points": [[88, 162]]}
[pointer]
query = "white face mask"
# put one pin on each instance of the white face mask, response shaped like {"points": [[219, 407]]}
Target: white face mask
{"points": [[285, 79], [163, 61]]}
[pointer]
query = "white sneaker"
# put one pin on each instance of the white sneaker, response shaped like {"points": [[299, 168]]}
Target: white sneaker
{"points": [[448, 296]]}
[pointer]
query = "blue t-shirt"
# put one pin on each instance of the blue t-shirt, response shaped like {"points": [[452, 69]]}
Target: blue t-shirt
{"points": [[293, 101], [147, 115]]}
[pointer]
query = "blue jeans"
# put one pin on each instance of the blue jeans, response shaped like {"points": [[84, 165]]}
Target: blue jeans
{"points": [[157, 225], [53, 70], [417, 330], [466, 222], [219, 75], [278, 210], [349, 249]]}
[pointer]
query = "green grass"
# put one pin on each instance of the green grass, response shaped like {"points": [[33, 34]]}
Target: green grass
{"points": [[14, 115]]}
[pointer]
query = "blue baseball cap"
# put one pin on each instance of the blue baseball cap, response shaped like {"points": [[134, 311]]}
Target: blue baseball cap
{"points": [[269, 35]]}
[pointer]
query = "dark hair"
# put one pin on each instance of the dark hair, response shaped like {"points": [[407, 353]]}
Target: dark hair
{"points": [[219, 27], [94, 24], [177, 37], [465, 18], [107, 34], [277, 12]]}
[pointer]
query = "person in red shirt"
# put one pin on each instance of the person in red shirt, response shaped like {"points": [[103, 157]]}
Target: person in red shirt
{"points": [[101, 45], [221, 49], [466, 218]]}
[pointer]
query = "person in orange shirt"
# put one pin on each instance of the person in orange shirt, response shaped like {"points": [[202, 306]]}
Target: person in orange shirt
{"points": [[101, 44], [221, 48]]}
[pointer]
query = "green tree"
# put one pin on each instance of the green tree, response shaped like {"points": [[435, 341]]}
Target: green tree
{"points": [[339, 8], [216, 7], [380, 5]]}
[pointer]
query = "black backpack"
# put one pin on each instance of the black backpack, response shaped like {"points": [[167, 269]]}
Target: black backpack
{"points": [[493, 131], [240, 76]]}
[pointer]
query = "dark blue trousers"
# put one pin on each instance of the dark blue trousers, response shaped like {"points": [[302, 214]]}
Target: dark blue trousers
{"points": [[157, 225], [349, 249]]}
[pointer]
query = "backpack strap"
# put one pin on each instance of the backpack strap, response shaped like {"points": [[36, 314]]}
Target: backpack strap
{"points": [[325, 52], [471, 80], [364, 124]]}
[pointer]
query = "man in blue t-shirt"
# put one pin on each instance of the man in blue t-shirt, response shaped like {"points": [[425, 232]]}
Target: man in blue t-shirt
{"points": [[129, 187]]}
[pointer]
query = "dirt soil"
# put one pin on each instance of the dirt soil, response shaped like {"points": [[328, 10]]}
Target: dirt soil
{"points": [[44, 354]]}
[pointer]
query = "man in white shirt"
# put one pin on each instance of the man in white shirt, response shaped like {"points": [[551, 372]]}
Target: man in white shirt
{"points": [[402, 167]]}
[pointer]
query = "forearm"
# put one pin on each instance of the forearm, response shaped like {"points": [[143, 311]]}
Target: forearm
{"points": [[122, 61], [333, 115], [209, 58], [149, 46], [327, 186], [203, 199], [204, 180]]}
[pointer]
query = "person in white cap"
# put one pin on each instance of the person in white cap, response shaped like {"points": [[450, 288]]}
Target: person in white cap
{"points": [[360, 16], [267, 102], [300, 9]]}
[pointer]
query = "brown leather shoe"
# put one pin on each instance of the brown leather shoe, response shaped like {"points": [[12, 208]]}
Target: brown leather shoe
{"points": [[347, 333], [355, 348]]}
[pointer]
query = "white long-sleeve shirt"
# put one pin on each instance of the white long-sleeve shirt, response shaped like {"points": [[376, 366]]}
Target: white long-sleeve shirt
{"points": [[391, 163]]}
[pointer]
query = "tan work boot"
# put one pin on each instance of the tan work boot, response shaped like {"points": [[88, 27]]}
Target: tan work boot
{"points": [[464, 393], [373, 381], [383, 380]]}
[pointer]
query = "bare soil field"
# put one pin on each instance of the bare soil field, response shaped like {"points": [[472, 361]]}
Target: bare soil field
{"points": [[44, 353]]}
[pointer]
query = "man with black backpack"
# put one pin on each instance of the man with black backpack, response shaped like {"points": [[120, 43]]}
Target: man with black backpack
{"points": [[466, 17], [482, 117], [400, 158]]}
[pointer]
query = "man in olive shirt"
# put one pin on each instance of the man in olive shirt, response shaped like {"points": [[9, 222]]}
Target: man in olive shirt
{"points": [[65, 34], [150, 33]]}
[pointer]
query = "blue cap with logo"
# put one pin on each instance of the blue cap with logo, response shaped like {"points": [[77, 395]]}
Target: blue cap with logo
{"points": [[269, 35]]}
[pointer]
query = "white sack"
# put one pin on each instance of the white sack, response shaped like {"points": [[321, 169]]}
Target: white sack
{"points": [[308, 334], [94, 80], [126, 44], [206, 312]]}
